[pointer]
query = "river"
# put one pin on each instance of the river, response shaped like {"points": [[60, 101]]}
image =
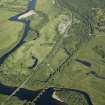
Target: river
{"points": [[46, 97], [31, 6], [25, 94]]}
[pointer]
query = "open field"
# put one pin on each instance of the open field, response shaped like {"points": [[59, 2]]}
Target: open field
{"points": [[14, 5], [70, 96], [44, 43], [8, 37], [68, 39]]}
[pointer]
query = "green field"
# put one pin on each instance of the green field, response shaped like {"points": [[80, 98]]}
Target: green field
{"points": [[72, 97], [14, 5], [8, 37], [67, 37]]}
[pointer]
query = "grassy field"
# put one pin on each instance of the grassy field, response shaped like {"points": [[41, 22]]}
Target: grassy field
{"points": [[73, 97], [43, 45], [74, 74], [8, 37], [14, 5], [57, 52]]}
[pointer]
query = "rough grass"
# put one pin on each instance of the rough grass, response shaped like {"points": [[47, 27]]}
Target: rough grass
{"points": [[8, 37], [14, 5], [72, 97], [72, 74]]}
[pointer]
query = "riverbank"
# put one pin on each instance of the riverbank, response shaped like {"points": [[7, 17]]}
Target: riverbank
{"points": [[27, 14], [8, 37], [56, 97], [48, 97], [25, 30]]}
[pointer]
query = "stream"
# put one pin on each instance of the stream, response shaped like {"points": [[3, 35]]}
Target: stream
{"points": [[46, 97], [31, 6], [25, 94]]}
